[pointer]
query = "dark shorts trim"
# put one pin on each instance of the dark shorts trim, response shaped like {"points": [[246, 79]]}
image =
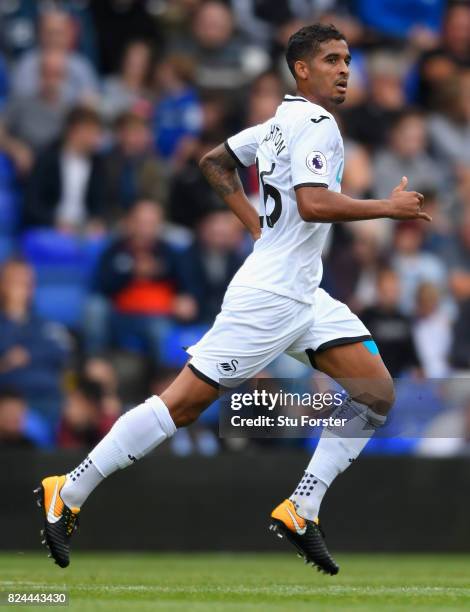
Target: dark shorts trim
{"points": [[341, 341], [203, 377], [310, 185], [311, 357], [230, 151], [331, 343]]}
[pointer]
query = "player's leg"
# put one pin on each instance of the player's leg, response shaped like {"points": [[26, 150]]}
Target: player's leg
{"points": [[134, 435], [252, 329], [139, 431], [370, 389], [364, 376], [340, 345]]}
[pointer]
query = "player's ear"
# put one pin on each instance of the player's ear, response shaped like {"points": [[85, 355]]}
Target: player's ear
{"points": [[301, 70]]}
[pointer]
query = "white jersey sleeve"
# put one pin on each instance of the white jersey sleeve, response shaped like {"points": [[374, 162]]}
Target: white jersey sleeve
{"points": [[313, 147], [244, 145]]}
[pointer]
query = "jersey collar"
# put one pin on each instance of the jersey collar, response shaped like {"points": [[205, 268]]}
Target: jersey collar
{"points": [[289, 98]]}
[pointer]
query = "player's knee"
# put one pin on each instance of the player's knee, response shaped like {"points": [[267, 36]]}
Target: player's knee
{"points": [[379, 395], [384, 397], [391, 396]]}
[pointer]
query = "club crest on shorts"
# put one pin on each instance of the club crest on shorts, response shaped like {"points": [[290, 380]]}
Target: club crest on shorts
{"points": [[316, 162], [228, 368]]}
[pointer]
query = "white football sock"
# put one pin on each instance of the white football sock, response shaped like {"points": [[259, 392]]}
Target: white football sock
{"points": [[132, 436], [79, 483], [336, 450]]}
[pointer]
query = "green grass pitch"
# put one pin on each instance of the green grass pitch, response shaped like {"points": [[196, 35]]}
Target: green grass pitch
{"points": [[242, 582]]}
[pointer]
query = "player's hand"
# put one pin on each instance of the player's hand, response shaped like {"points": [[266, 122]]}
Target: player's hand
{"points": [[407, 204]]}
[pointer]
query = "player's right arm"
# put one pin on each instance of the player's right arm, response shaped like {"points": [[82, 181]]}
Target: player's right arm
{"points": [[320, 205], [219, 166]]}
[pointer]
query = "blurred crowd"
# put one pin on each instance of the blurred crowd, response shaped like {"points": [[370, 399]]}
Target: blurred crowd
{"points": [[116, 253]]}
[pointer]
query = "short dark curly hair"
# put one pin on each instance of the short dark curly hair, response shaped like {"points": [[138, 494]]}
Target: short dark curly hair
{"points": [[307, 40]]}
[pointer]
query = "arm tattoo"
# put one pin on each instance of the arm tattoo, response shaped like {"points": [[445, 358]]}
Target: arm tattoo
{"points": [[220, 170]]}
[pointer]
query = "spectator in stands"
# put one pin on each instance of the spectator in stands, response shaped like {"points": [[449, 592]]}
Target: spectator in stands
{"points": [[413, 265], [267, 84], [278, 51], [216, 255], [18, 27], [12, 420], [259, 19], [449, 130], [438, 235], [177, 113], [223, 60], [131, 169], [84, 29], [65, 189], [102, 371], [436, 66], [83, 422], [402, 19], [432, 321], [33, 352], [141, 284], [456, 32], [353, 263], [458, 259], [19, 32], [426, 80], [118, 23], [407, 156], [21, 427], [217, 115], [30, 123], [390, 328], [369, 122], [129, 89], [357, 174], [190, 194], [458, 262], [265, 95], [56, 33]]}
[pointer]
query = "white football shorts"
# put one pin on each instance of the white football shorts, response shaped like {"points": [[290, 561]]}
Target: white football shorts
{"points": [[255, 326]]}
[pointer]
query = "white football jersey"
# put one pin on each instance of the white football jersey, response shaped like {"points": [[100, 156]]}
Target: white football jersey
{"points": [[300, 146]]}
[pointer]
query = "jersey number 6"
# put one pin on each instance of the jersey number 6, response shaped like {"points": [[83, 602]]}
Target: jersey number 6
{"points": [[269, 192]]}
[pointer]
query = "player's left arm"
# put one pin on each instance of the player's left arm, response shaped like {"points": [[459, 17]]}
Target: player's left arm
{"points": [[314, 147], [219, 166]]}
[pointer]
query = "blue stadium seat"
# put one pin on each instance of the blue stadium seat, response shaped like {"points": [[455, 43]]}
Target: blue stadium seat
{"points": [[8, 211], [7, 172], [181, 336], [63, 266], [7, 247], [92, 250], [62, 303], [46, 246], [48, 250]]}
